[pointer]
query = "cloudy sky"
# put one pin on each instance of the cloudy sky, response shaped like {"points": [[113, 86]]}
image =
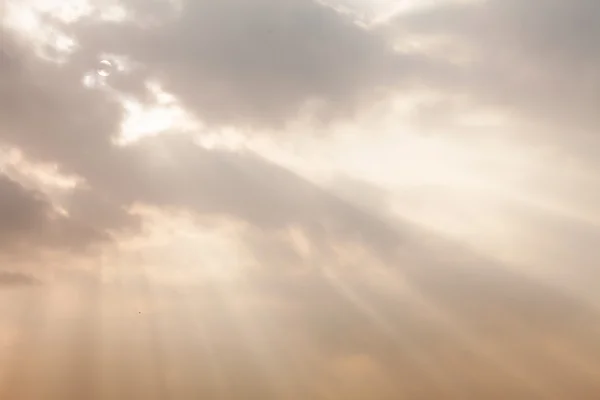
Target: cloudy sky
{"points": [[297, 199]]}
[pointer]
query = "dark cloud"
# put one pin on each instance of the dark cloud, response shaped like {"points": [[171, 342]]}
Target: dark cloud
{"points": [[52, 118], [21, 210], [258, 63], [15, 279], [27, 219], [94, 209]]}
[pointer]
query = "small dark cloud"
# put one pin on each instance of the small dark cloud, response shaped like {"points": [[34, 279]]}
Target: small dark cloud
{"points": [[20, 209], [15, 279], [28, 220]]}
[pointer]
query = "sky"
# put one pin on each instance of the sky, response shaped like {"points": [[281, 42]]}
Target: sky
{"points": [[298, 199]]}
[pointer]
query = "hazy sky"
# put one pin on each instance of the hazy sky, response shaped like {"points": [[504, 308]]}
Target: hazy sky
{"points": [[296, 199]]}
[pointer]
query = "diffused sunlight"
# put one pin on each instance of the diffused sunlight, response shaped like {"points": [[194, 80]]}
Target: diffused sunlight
{"points": [[298, 200]]}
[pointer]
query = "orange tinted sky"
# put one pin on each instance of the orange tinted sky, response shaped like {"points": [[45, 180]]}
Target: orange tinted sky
{"points": [[296, 199]]}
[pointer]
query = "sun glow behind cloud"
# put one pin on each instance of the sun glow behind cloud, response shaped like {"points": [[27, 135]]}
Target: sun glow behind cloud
{"points": [[372, 13], [28, 19], [293, 249], [399, 157], [163, 116]]}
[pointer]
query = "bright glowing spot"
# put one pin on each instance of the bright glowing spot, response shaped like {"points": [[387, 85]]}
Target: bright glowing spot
{"points": [[144, 121], [164, 115], [64, 43], [105, 68], [374, 12], [97, 77], [89, 81], [114, 13], [370, 12]]}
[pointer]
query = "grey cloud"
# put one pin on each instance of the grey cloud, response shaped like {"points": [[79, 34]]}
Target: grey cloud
{"points": [[258, 63], [21, 209], [16, 279], [28, 219], [483, 297], [557, 30], [535, 60], [94, 209], [50, 117], [171, 171], [53, 119]]}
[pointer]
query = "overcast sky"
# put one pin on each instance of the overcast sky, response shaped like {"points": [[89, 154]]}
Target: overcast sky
{"points": [[296, 199]]}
